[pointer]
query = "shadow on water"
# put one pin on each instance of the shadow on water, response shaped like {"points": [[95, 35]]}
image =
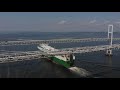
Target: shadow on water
{"points": [[34, 69], [108, 61]]}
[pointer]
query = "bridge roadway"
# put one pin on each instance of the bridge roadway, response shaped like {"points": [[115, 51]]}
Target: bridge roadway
{"points": [[35, 42], [12, 56], [84, 49]]}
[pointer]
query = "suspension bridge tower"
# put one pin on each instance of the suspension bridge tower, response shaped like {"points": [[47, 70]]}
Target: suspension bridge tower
{"points": [[110, 40]]}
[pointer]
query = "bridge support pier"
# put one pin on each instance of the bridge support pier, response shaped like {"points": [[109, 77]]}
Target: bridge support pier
{"points": [[110, 37], [109, 52]]}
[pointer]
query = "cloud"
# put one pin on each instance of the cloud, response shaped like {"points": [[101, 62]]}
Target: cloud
{"points": [[99, 22], [62, 22], [93, 21], [117, 22]]}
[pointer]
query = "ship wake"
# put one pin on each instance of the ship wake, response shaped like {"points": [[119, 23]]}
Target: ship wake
{"points": [[80, 71]]}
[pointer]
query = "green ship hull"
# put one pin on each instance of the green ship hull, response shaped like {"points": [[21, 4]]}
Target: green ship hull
{"points": [[66, 64]]}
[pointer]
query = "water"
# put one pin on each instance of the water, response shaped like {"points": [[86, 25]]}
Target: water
{"points": [[96, 63]]}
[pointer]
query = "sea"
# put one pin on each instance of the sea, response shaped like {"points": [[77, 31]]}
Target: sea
{"points": [[99, 65]]}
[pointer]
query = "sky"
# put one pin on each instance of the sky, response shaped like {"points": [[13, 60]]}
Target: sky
{"points": [[57, 21]]}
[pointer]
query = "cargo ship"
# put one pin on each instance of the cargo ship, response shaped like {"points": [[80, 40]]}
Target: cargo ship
{"points": [[66, 60]]}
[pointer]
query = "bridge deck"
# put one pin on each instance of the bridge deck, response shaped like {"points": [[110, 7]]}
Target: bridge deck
{"points": [[34, 42], [29, 55]]}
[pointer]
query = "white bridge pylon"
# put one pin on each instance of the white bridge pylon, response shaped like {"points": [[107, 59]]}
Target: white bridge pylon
{"points": [[110, 40]]}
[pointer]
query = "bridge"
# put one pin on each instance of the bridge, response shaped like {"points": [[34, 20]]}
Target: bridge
{"points": [[37, 42], [12, 56]]}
